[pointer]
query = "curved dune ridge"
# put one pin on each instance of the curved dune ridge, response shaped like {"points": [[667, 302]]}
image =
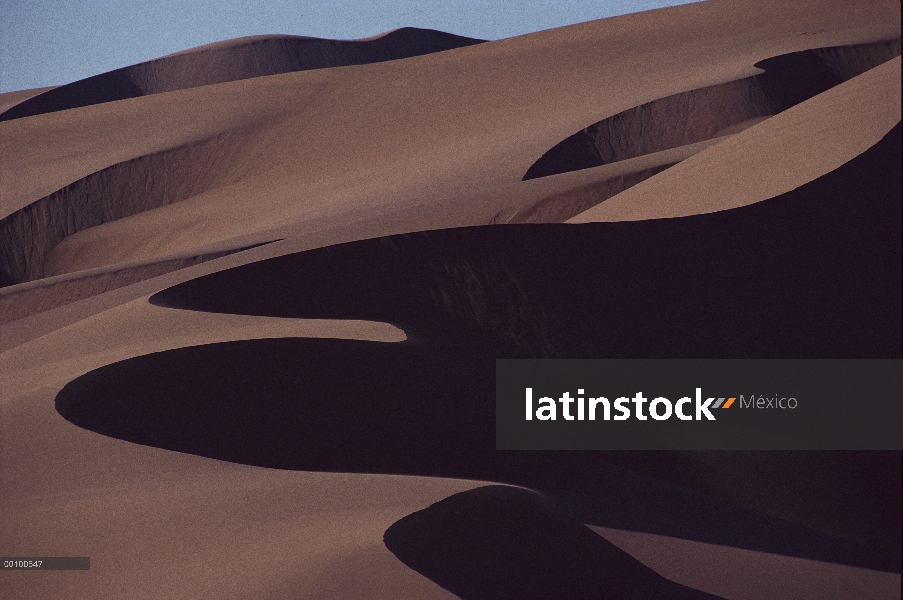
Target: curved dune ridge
{"points": [[252, 304], [10, 99], [144, 183], [225, 189], [60, 291], [234, 60], [466, 296], [504, 542], [76, 254], [28, 236], [701, 114]]}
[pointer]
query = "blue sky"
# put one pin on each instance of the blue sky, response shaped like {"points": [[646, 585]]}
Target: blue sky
{"points": [[52, 42]]}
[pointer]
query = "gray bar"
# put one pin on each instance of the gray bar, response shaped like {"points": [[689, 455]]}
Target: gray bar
{"points": [[682, 404], [45, 563]]}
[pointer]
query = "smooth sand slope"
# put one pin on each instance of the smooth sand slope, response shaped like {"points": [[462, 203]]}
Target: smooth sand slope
{"points": [[465, 296], [249, 322], [339, 127], [10, 99], [30, 234], [233, 60]]}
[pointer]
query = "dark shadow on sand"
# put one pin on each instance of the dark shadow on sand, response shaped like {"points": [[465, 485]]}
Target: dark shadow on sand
{"points": [[271, 55], [814, 273], [508, 543], [696, 115]]}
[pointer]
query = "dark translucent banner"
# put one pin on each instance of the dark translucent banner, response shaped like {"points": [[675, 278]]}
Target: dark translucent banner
{"points": [[699, 404]]}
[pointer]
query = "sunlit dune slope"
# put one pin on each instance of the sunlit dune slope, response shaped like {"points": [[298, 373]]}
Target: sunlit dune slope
{"points": [[248, 156], [252, 294], [233, 60]]}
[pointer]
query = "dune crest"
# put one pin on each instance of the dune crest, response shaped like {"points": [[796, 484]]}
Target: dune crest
{"points": [[234, 60], [509, 543], [252, 321], [701, 114], [772, 157]]}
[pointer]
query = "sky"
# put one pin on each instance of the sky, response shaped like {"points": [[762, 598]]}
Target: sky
{"points": [[53, 42]]}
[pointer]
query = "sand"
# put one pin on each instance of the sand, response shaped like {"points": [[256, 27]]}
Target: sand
{"points": [[239, 313]]}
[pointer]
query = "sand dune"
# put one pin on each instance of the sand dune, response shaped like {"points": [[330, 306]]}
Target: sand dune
{"points": [[356, 148], [701, 114], [404, 290], [46, 294], [547, 200], [769, 158], [234, 60], [482, 544], [10, 99], [680, 120], [30, 235], [738, 572], [253, 294]]}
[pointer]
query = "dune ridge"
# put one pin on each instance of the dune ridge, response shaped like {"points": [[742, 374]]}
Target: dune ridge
{"points": [[765, 160], [10, 99], [700, 114], [508, 543], [373, 166], [234, 60], [253, 422], [465, 296], [27, 301], [29, 235]]}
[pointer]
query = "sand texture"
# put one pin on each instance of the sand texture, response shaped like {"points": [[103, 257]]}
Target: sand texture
{"points": [[251, 296]]}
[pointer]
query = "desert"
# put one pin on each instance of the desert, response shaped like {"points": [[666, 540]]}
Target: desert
{"points": [[253, 292]]}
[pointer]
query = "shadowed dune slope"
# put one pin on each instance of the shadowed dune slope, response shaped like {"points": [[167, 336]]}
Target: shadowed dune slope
{"points": [[28, 235], [10, 99], [545, 200], [810, 273], [764, 161], [370, 407], [262, 419], [324, 146], [700, 114], [504, 542], [233, 60], [24, 301], [814, 273]]}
